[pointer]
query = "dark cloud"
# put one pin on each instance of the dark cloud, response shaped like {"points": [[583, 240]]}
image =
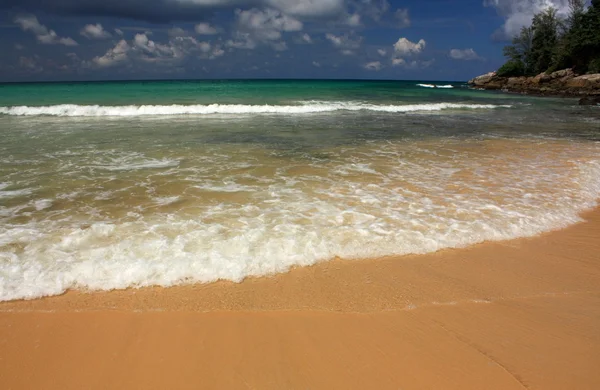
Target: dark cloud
{"points": [[154, 11], [166, 11]]}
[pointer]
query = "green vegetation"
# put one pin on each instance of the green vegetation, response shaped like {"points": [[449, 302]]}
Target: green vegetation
{"points": [[552, 43]]}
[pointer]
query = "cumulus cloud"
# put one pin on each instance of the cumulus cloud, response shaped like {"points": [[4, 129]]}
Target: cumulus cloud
{"points": [[382, 52], [152, 49], [217, 52], [307, 8], [464, 54], [42, 33], [374, 66], [205, 29], [267, 24], [353, 20], [113, 56], [303, 39], [177, 32], [372, 9], [518, 13], [346, 43], [145, 50], [204, 47], [95, 31], [402, 18], [412, 65], [404, 47], [254, 27]]}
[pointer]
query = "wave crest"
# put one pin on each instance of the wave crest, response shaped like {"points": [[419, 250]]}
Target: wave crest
{"points": [[74, 110], [447, 86]]}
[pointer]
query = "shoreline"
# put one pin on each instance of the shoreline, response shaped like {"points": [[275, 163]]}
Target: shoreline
{"points": [[515, 314], [325, 269]]}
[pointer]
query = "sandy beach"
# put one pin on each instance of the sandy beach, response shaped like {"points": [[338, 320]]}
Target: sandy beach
{"points": [[521, 314]]}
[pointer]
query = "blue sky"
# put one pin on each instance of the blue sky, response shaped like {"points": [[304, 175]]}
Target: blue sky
{"points": [[200, 39]]}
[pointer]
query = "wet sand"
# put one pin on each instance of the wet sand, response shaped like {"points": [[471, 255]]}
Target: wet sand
{"points": [[521, 314]]}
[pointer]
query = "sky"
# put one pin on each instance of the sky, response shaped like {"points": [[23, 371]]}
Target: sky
{"points": [[64, 40]]}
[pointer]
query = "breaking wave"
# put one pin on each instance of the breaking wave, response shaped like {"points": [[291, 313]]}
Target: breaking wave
{"points": [[448, 86], [74, 110]]}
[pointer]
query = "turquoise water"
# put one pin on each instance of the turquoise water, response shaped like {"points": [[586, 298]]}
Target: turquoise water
{"points": [[226, 92], [126, 184]]}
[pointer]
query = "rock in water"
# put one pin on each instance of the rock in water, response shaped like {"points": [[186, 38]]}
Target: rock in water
{"points": [[590, 101], [560, 83]]}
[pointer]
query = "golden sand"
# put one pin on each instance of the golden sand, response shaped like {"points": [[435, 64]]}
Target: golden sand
{"points": [[521, 314]]}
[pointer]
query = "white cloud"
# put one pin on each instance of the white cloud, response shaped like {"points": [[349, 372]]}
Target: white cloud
{"points": [[372, 9], [402, 18], [316, 64], [217, 52], [518, 13], [95, 31], [405, 47], [414, 64], [307, 9], [374, 66], [304, 39], [242, 41], [353, 20], [255, 26], [346, 43], [205, 29], [464, 54], [398, 62], [177, 32], [204, 47], [299, 9], [382, 52], [279, 46], [334, 39], [142, 49], [150, 48], [118, 32], [268, 24], [114, 56], [41, 32]]}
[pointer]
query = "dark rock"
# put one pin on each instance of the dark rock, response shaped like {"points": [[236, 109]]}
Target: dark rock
{"points": [[560, 83], [590, 101]]}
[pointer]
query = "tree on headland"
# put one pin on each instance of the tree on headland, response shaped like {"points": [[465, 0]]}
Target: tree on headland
{"points": [[544, 41], [518, 54], [551, 43]]}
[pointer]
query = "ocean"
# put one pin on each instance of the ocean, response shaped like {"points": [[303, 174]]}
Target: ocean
{"points": [[110, 185]]}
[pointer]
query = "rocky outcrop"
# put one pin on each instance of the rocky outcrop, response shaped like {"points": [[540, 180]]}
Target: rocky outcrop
{"points": [[561, 83], [590, 101]]}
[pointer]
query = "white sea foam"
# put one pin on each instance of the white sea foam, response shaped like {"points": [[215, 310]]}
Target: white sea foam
{"points": [[165, 163], [165, 200], [120, 161], [363, 202], [447, 86], [15, 193], [72, 110], [42, 204]]}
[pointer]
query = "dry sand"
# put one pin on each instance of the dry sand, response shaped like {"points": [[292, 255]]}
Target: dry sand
{"points": [[522, 314]]}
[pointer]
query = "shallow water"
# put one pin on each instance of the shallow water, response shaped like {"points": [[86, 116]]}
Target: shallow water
{"points": [[106, 195]]}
